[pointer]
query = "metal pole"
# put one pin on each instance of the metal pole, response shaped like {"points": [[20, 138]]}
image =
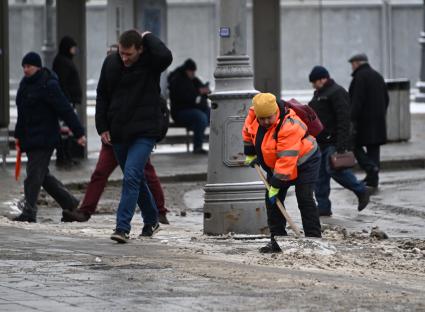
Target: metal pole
{"points": [[4, 80], [4, 64], [234, 198], [48, 47], [421, 83]]}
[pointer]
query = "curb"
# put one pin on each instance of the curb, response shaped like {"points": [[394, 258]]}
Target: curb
{"points": [[189, 177], [407, 163], [396, 164]]}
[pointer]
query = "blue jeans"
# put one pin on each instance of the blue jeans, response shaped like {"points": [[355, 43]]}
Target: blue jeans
{"points": [[132, 159], [196, 120], [344, 177]]}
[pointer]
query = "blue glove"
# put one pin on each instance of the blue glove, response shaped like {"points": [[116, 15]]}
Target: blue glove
{"points": [[272, 194]]}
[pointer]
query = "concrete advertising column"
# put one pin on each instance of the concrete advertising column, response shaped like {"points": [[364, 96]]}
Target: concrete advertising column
{"points": [[266, 18], [234, 197], [152, 16], [71, 21], [421, 83], [48, 47]]}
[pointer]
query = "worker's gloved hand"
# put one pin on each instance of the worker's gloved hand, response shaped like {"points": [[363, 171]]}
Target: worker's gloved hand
{"points": [[273, 191], [251, 160]]}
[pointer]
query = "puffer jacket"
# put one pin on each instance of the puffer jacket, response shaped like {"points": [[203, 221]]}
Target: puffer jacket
{"points": [[41, 102], [128, 103]]}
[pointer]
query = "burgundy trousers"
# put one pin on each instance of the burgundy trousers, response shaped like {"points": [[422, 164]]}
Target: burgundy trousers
{"points": [[104, 168]]}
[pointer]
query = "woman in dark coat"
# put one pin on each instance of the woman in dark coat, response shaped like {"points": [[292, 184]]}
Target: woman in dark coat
{"points": [[369, 102], [66, 70], [69, 80]]}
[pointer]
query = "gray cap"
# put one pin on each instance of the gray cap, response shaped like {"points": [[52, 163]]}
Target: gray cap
{"points": [[362, 57]]}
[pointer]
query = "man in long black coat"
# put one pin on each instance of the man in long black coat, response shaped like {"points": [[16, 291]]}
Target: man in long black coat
{"points": [[369, 102], [40, 104]]}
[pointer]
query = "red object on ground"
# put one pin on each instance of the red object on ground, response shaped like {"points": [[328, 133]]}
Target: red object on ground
{"points": [[18, 161]]}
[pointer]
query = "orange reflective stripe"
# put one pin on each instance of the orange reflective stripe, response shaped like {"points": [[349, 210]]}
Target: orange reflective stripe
{"points": [[283, 177], [296, 121], [306, 156]]}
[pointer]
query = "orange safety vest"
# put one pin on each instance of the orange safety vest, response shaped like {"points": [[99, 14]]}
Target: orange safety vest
{"points": [[293, 147]]}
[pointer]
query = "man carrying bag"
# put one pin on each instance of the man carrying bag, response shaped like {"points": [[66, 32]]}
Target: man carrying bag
{"points": [[331, 103]]}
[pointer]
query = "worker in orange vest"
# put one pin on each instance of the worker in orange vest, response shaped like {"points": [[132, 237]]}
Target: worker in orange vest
{"points": [[278, 140]]}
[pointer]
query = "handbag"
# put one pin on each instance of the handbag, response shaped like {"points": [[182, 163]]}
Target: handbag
{"points": [[340, 161]]}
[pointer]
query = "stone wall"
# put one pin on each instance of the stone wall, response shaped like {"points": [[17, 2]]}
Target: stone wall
{"points": [[311, 34]]}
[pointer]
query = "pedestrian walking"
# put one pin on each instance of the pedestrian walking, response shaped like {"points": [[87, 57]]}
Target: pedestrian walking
{"points": [[331, 104], [69, 80], [40, 104], [277, 139], [189, 105], [106, 164], [128, 116], [369, 102]]}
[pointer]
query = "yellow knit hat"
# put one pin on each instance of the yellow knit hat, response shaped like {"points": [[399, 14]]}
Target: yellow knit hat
{"points": [[264, 105]]}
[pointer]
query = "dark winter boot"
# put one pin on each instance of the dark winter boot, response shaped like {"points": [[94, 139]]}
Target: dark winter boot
{"points": [[372, 178], [271, 247], [162, 218], [23, 217], [28, 213], [75, 215], [363, 199]]}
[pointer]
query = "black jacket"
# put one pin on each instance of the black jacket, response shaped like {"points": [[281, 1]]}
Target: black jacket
{"points": [[67, 72], [369, 102], [128, 98], [40, 103], [331, 104], [184, 92]]}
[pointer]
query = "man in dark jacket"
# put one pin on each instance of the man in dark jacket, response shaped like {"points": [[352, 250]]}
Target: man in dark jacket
{"points": [[331, 103], [40, 103], [129, 116], [69, 80], [369, 102], [189, 107]]}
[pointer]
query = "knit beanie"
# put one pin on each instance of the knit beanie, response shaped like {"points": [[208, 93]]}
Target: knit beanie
{"points": [[318, 72], [189, 64], [32, 58], [264, 105]]}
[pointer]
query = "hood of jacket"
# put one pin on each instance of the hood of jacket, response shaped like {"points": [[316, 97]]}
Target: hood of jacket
{"points": [[65, 45]]}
